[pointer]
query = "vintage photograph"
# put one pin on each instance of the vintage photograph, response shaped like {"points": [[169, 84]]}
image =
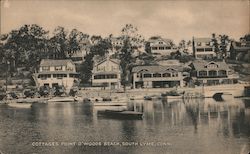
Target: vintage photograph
{"points": [[124, 77]]}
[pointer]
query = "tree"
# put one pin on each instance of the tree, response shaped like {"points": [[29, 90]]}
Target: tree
{"points": [[224, 40], [182, 44], [76, 41], [246, 37], [216, 45], [131, 42], [95, 39], [58, 43], [24, 46], [126, 60], [100, 48]]}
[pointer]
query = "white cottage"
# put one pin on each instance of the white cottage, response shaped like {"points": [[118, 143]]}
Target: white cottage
{"points": [[107, 73], [56, 72]]}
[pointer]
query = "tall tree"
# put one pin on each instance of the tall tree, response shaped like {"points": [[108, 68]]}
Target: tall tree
{"points": [[216, 46], [25, 45], [224, 40], [131, 42], [76, 41], [58, 43]]}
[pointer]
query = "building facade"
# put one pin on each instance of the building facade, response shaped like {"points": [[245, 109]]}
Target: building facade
{"points": [[107, 73], [212, 73], [239, 50], [157, 76], [56, 72], [161, 46], [203, 48]]}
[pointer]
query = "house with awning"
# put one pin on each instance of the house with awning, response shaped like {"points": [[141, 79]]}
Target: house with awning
{"points": [[106, 73], [212, 72], [54, 73], [158, 76]]}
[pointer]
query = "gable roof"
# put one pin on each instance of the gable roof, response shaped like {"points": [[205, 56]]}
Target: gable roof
{"points": [[100, 61], [201, 65], [53, 62], [156, 69], [158, 38]]}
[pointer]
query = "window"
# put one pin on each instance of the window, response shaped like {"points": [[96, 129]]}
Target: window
{"points": [[207, 43], [167, 48], [202, 73], [198, 43], [59, 76], [175, 74], [73, 75], [222, 72], [45, 68], [154, 48], [166, 75], [200, 49], [208, 49], [58, 68], [161, 48], [212, 73], [212, 65], [160, 42], [44, 76], [147, 75], [157, 75]]}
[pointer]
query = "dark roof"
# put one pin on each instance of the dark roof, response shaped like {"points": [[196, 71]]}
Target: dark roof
{"points": [[157, 69], [157, 39], [52, 62], [201, 65]]}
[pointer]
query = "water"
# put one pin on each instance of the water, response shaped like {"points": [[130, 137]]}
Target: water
{"points": [[190, 127]]}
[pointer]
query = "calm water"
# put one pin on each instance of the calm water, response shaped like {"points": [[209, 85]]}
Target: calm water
{"points": [[190, 127]]}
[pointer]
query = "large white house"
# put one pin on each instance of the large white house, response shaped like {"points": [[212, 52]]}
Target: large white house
{"points": [[106, 73], [212, 73], [161, 46], [56, 72], [158, 76], [203, 48]]}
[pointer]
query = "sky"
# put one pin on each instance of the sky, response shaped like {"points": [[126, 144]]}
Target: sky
{"points": [[175, 20]]}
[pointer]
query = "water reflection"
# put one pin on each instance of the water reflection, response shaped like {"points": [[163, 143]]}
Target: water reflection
{"points": [[188, 125]]}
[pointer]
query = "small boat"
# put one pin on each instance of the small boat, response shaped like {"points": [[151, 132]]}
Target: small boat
{"points": [[122, 114], [172, 95], [147, 98], [136, 98], [20, 105], [62, 99], [109, 103], [223, 96]]}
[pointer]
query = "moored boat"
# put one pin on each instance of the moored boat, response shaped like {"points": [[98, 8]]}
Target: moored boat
{"points": [[20, 105], [62, 99], [122, 114]]}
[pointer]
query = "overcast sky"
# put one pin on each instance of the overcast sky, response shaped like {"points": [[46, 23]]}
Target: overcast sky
{"points": [[170, 19]]}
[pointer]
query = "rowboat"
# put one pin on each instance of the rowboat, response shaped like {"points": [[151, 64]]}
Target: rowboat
{"points": [[123, 114], [20, 105], [62, 99]]}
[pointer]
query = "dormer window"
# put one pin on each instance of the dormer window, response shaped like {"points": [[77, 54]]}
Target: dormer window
{"points": [[160, 42], [207, 43], [45, 68], [58, 68], [212, 65], [198, 43]]}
